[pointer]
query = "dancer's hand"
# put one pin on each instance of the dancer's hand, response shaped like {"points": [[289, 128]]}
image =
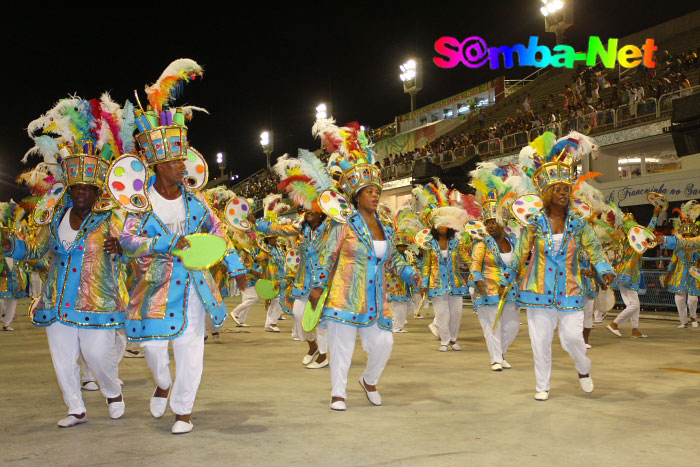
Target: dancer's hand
{"points": [[112, 246], [315, 295], [182, 243]]}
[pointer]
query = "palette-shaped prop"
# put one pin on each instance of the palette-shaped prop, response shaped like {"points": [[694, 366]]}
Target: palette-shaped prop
{"points": [[312, 315], [605, 300], [196, 170], [266, 289], [580, 208], [423, 238], [476, 229], [205, 251], [641, 238], [126, 183], [335, 205], [292, 259], [105, 203], [43, 212], [694, 273], [525, 207], [236, 212], [393, 285], [513, 228], [658, 200]]}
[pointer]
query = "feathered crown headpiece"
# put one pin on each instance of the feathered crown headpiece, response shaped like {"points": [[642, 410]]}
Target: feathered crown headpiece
{"points": [[11, 214], [79, 139], [218, 196], [162, 134], [351, 155], [303, 178], [408, 224], [273, 207], [548, 161], [488, 180], [441, 207], [687, 215]]}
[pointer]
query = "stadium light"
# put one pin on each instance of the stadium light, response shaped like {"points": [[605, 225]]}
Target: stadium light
{"points": [[321, 111], [412, 79], [266, 143]]}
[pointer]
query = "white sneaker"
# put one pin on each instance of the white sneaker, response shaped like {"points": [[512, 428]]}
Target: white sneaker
{"points": [[589, 346], [542, 396], [456, 346], [339, 406], [243, 325], [116, 409], [443, 348], [614, 331], [90, 386], [121, 383], [272, 329], [372, 396], [158, 405], [281, 318], [496, 367], [8, 328], [505, 365], [682, 326], [434, 330], [70, 421], [181, 427], [586, 384], [296, 339], [316, 365], [693, 324], [308, 358], [234, 318]]}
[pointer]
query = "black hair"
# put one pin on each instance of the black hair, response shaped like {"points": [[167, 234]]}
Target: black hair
{"points": [[450, 233]]}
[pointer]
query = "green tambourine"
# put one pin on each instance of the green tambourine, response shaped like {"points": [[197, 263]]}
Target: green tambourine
{"points": [[266, 289], [205, 251], [312, 316]]}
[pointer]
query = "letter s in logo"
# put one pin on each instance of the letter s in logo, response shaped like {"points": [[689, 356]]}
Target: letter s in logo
{"points": [[451, 48]]}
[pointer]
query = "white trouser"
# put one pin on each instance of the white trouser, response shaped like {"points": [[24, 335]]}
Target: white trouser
{"points": [[541, 323], [274, 311], [416, 303], [686, 303], [588, 312], [631, 311], [188, 350], [341, 342], [7, 310], [120, 344], [498, 340], [249, 298], [399, 313], [34, 284], [66, 343], [448, 317], [321, 333], [86, 374]]}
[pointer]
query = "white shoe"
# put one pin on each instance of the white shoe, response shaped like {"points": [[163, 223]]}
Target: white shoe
{"points": [[316, 365], [443, 348], [158, 405], [70, 421], [402, 331], [456, 346], [682, 326], [281, 318], [434, 330], [586, 384], [116, 409], [589, 346], [308, 358], [505, 365], [614, 331], [372, 396], [496, 367], [296, 339], [243, 325], [234, 318], [90, 386], [8, 328], [121, 383], [542, 396], [693, 324], [181, 427], [339, 406], [272, 329]]}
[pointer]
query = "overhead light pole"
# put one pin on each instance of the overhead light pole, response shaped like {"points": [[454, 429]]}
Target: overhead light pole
{"points": [[558, 17], [221, 162], [412, 77], [267, 144]]}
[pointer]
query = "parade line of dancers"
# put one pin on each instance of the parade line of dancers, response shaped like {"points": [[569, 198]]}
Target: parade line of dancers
{"points": [[135, 253]]}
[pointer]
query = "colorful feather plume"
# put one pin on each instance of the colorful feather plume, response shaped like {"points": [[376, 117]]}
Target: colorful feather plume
{"points": [[171, 81], [450, 217]]}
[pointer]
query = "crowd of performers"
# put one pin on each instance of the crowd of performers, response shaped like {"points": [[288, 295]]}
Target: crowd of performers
{"points": [[119, 215]]}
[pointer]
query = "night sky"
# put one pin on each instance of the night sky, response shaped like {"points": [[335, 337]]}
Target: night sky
{"points": [[267, 69]]}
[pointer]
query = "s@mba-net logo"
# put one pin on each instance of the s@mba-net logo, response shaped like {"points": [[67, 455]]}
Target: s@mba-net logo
{"points": [[473, 52]]}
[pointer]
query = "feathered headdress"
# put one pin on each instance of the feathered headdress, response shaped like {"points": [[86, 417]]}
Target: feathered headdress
{"points": [[171, 82], [688, 213], [433, 203], [303, 178], [488, 180], [218, 196], [351, 155], [548, 160]]}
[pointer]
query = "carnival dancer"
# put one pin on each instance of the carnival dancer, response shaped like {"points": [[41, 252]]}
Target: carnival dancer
{"points": [[549, 282], [442, 280], [678, 279], [12, 283], [80, 305], [400, 296], [303, 178], [628, 279], [249, 296], [491, 258], [168, 302], [351, 265]]}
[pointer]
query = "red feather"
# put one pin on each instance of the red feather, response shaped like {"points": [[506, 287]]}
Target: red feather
{"points": [[284, 184]]}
